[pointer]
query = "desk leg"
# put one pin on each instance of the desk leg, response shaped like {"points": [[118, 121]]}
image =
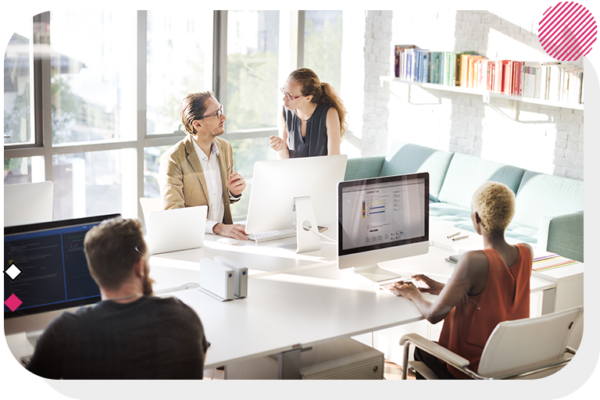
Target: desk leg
{"points": [[549, 301], [289, 364]]}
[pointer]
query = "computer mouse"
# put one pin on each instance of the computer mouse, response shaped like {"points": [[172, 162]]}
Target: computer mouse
{"points": [[227, 241]]}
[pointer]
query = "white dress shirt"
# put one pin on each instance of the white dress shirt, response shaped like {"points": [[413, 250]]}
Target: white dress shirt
{"points": [[214, 185]]}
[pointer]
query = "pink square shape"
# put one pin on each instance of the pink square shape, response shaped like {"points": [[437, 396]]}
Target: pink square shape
{"points": [[13, 302]]}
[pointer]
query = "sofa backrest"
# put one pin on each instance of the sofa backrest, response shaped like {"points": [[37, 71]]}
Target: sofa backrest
{"points": [[466, 173], [363, 167], [540, 195], [407, 158]]}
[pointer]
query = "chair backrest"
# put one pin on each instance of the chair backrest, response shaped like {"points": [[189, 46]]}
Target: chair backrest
{"points": [[526, 344], [149, 205], [28, 203]]}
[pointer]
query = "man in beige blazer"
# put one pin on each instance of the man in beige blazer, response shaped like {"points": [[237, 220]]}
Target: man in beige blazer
{"points": [[198, 170]]}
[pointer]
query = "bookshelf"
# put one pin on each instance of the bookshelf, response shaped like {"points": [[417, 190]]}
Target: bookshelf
{"points": [[484, 93]]}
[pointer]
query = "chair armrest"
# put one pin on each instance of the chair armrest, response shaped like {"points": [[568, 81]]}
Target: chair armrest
{"points": [[435, 349], [363, 167], [562, 234]]}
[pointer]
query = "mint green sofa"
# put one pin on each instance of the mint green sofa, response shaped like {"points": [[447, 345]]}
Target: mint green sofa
{"points": [[549, 209]]}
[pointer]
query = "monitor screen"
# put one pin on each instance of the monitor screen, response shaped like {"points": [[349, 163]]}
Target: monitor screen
{"points": [[384, 212], [45, 266]]}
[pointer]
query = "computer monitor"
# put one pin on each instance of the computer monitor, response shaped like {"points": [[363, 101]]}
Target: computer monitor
{"points": [[52, 271], [276, 183], [28, 203], [382, 219]]}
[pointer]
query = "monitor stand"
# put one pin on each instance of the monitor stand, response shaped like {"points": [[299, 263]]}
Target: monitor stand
{"points": [[307, 231], [376, 274]]}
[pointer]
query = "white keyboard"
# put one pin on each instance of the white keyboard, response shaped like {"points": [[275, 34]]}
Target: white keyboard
{"points": [[272, 235]]}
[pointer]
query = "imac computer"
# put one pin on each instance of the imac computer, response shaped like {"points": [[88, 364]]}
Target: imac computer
{"points": [[46, 272], [300, 192], [382, 219], [28, 203]]}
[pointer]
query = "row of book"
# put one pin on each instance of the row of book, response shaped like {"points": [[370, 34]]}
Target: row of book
{"points": [[551, 81]]}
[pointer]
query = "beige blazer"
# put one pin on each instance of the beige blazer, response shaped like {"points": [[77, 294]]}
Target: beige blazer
{"points": [[181, 179]]}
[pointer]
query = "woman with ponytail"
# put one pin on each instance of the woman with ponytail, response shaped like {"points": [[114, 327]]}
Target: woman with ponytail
{"points": [[313, 119]]}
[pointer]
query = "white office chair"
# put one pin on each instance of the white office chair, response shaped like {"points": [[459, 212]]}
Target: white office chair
{"points": [[528, 348], [149, 205]]}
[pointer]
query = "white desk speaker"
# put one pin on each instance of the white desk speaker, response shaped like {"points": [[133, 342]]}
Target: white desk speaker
{"points": [[240, 274], [216, 279]]}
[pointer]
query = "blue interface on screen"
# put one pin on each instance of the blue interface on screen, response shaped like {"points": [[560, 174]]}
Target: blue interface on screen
{"points": [[53, 264]]}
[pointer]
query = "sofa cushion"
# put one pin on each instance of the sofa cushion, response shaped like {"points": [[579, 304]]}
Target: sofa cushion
{"points": [[363, 167], [408, 158], [540, 195], [461, 218], [466, 173]]}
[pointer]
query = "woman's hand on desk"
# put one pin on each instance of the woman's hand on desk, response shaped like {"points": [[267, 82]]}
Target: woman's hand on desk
{"points": [[435, 287], [407, 290], [235, 231]]}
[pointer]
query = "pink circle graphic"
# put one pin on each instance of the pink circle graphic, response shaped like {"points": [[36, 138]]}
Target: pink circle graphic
{"points": [[567, 31]]}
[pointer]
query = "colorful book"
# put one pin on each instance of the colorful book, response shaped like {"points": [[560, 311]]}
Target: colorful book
{"points": [[398, 52], [426, 61], [471, 70], [452, 69], [506, 77], [458, 72]]}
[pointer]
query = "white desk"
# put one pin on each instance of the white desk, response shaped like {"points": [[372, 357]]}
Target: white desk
{"points": [[234, 335], [294, 301]]}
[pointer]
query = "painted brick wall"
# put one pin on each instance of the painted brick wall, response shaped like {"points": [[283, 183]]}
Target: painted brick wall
{"points": [[545, 139]]}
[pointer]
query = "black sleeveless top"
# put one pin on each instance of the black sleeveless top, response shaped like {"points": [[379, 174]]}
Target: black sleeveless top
{"points": [[315, 141]]}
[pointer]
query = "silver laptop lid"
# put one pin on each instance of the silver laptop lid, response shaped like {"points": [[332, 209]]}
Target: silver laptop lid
{"points": [[178, 229]]}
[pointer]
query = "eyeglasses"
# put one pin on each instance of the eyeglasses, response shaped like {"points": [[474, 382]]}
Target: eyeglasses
{"points": [[218, 113], [289, 96]]}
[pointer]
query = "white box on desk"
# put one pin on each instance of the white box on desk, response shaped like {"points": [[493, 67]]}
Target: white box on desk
{"points": [[216, 279], [240, 275]]}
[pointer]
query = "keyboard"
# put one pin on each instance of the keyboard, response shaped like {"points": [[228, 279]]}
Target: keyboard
{"points": [[272, 235]]}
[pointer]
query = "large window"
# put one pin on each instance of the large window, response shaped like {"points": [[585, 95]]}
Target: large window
{"points": [[92, 97], [93, 59], [252, 63], [179, 61], [18, 74]]}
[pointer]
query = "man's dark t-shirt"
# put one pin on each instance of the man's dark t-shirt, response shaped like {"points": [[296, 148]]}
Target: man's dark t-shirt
{"points": [[150, 338]]}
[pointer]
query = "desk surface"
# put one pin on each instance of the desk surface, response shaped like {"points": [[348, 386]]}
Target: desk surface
{"points": [[288, 290], [233, 334]]}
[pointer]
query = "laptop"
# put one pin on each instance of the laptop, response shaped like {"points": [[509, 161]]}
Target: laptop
{"points": [[178, 229]]}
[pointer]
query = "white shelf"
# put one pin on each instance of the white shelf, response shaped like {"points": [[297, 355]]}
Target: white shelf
{"points": [[458, 89]]}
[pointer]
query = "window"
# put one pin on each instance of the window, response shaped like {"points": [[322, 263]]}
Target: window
{"points": [[114, 80], [179, 61], [323, 45], [252, 65], [93, 56], [18, 75]]}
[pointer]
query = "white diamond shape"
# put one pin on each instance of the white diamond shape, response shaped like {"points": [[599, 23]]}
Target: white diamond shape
{"points": [[13, 271]]}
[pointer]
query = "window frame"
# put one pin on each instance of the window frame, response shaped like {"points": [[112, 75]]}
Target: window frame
{"points": [[291, 42]]}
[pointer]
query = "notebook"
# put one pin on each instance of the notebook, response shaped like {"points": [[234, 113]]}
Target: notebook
{"points": [[178, 229]]}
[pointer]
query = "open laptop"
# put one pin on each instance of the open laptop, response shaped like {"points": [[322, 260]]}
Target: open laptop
{"points": [[179, 229]]}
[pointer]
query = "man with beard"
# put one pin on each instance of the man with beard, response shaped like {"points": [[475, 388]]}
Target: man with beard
{"points": [[129, 334]]}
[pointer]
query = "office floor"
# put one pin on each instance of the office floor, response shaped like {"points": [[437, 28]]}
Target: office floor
{"points": [[392, 371]]}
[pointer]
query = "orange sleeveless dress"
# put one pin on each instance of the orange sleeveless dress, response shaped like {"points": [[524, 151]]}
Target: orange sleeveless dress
{"points": [[505, 297]]}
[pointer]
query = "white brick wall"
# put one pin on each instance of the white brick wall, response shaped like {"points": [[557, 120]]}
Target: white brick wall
{"points": [[545, 139]]}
